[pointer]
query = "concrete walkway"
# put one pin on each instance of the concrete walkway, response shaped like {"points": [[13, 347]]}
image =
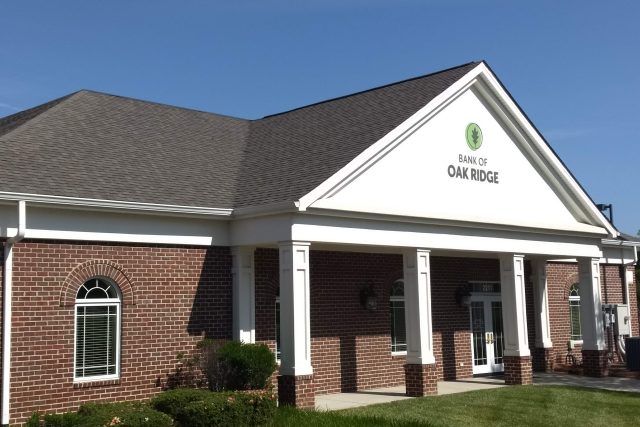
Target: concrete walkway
{"points": [[607, 383], [331, 402]]}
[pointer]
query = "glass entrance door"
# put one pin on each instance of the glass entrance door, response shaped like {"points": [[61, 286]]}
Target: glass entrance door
{"points": [[487, 338]]}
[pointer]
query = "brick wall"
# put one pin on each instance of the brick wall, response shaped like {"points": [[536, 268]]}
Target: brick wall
{"points": [[181, 294], [560, 277]]}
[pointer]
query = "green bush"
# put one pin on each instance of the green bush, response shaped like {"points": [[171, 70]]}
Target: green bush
{"points": [[229, 409], [172, 401], [122, 414], [69, 419], [239, 366]]}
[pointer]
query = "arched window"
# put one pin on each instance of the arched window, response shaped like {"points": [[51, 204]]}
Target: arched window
{"points": [[97, 330], [574, 312], [396, 306]]}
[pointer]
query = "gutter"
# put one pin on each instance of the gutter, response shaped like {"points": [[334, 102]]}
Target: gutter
{"points": [[115, 204], [6, 309]]}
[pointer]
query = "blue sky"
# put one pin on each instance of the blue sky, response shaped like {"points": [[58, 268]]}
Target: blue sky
{"points": [[573, 66]]}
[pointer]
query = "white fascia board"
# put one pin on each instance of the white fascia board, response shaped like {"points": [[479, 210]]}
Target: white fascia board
{"points": [[53, 222], [616, 243], [478, 222], [354, 231], [121, 237], [113, 204], [482, 79]]}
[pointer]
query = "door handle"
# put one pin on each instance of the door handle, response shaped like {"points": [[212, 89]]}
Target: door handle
{"points": [[489, 337]]}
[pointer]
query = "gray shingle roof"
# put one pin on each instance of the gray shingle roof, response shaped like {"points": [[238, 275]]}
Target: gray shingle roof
{"points": [[99, 146]]}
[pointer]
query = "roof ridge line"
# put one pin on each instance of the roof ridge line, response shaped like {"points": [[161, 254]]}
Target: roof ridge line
{"points": [[162, 104], [45, 108], [370, 89]]}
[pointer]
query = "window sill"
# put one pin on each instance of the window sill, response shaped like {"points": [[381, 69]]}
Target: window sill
{"points": [[574, 343], [95, 382], [398, 353]]}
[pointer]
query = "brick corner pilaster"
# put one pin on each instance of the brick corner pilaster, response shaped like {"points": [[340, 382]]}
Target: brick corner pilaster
{"points": [[595, 363], [421, 380], [517, 370], [296, 391]]}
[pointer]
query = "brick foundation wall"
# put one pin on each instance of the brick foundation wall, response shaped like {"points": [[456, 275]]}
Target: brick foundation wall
{"points": [[296, 391], [517, 370], [421, 380], [181, 295], [595, 363]]}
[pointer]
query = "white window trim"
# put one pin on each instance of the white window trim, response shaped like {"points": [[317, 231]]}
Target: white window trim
{"points": [[97, 302], [396, 298], [574, 298], [275, 353]]}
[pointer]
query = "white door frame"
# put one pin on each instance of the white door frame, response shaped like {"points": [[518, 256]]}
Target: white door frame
{"points": [[490, 336]]}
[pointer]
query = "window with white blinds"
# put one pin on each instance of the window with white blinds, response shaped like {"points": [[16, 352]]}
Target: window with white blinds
{"points": [[97, 331]]}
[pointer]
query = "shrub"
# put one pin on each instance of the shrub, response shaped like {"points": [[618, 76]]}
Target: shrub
{"points": [[229, 409], [239, 366], [224, 366], [69, 419], [122, 414], [172, 401]]}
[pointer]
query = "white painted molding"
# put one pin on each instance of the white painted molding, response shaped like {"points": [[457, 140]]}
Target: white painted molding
{"points": [[541, 303], [113, 204], [418, 314], [514, 306], [591, 318], [244, 300], [295, 311]]}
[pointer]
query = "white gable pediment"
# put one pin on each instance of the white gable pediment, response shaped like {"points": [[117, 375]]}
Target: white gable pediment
{"points": [[427, 169]]}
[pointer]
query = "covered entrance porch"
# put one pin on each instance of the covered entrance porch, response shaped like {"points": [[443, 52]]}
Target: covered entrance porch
{"points": [[330, 339]]}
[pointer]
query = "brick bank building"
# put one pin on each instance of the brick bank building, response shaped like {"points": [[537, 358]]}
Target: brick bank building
{"points": [[414, 232]]}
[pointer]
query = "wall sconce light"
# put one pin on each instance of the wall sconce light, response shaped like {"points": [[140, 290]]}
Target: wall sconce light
{"points": [[463, 296], [368, 298]]}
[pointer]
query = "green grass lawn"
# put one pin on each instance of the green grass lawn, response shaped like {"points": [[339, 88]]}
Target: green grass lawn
{"points": [[508, 406]]}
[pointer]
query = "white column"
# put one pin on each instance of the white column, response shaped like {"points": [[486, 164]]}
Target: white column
{"points": [[629, 281], [591, 320], [541, 304], [417, 297], [514, 312], [295, 330], [244, 319]]}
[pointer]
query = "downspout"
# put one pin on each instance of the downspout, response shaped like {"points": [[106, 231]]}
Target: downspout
{"points": [[6, 309]]}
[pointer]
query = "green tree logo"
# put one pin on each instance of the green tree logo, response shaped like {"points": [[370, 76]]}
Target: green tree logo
{"points": [[474, 136]]}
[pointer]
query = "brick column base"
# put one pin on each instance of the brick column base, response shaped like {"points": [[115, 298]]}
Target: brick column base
{"points": [[517, 370], [296, 391], [595, 363], [543, 359], [420, 380]]}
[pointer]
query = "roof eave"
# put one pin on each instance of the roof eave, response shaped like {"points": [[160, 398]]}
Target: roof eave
{"points": [[64, 201]]}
